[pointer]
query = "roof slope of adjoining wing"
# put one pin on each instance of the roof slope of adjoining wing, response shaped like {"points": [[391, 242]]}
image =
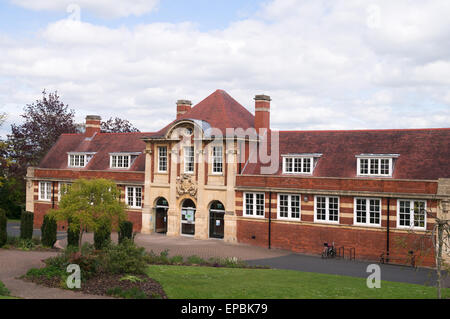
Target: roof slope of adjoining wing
{"points": [[423, 153], [220, 111], [102, 145]]}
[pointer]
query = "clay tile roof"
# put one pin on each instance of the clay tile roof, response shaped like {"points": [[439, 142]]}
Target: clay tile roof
{"points": [[220, 110], [424, 153], [102, 144]]}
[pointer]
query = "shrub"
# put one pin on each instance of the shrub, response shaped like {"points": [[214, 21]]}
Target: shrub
{"points": [[176, 260], [125, 231], [25, 244], [3, 290], [48, 231], [3, 228], [102, 236], [47, 272], [125, 258], [73, 236], [196, 260], [26, 225]]}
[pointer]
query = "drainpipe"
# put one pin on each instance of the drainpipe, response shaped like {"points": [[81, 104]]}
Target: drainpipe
{"points": [[387, 233], [270, 217]]}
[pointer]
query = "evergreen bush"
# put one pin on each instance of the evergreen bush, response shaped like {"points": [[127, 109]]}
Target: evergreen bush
{"points": [[73, 235], [125, 231], [48, 231], [3, 228], [26, 225], [102, 236]]}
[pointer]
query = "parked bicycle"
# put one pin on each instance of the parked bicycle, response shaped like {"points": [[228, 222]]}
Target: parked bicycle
{"points": [[328, 251]]}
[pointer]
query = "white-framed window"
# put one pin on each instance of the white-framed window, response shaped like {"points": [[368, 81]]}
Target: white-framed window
{"points": [[162, 159], [133, 195], [79, 159], [411, 214], [120, 161], [375, 165], [299, 164], [367, 211], [289, 206], [254, 204], [217, 159], [189, 159], [63, 187], [45, 191], [326, 209]]}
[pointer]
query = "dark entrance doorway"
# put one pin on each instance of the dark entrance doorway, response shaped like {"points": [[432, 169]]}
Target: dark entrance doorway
{"points": [[216, 220], [162, 206], [188, 218]]}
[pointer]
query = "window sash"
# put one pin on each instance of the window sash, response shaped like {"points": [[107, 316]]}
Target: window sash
{"points": [[134, 196], [120, 161], [367, 211], [375, 166], [189, 159], [162, 159], [217, 156], [411, 214], [45, 191], [254, 204], [289, 206], [298, 165], [326, 209]]}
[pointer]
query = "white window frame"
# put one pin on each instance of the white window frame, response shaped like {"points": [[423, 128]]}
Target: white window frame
{"points": [[185, 157], [47, 196], [216, 159], [302, 157], [134, 197], [60, 185], [367, 223], [379, 158], [162, 157], [411, 214], [289, 217], [254, 210], [111, 161], [327, 210], [86, 158]]}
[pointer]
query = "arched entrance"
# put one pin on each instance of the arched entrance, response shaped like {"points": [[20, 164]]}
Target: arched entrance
{"points": [[161, 208], [188, 217], [216, 220]]}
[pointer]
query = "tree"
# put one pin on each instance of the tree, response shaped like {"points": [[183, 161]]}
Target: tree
{"points": [[90, 204], [117, 125], [45, 120]]}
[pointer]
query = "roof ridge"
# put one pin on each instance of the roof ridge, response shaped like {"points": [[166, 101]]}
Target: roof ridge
{"points": [[365, 130]]}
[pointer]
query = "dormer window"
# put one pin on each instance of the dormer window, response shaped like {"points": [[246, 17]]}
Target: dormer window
{"points": [[122, 160], [79, 159], [375, 164], [300, 163]]}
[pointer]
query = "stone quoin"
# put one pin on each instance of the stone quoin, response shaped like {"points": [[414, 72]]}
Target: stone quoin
{"points": [[219, 171]]}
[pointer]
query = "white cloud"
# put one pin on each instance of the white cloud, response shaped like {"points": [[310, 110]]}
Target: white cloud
{"points": [[102, 8], [326, 65]]}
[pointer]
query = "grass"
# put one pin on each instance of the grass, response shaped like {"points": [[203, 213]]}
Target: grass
{"points": [[181, 282]]}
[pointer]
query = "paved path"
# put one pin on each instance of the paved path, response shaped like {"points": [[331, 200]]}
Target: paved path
{"points": [[421, 276], [15, 263]]}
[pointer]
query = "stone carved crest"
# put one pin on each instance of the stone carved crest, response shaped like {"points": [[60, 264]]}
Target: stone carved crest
{"points": [[185, 185]]}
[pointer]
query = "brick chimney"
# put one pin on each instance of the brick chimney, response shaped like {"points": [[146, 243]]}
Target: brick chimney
{"points": [[183, 106], [262, 113], [93, 124]]}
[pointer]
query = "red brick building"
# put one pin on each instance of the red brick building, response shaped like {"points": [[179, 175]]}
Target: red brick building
{"points": [[218, 171]]}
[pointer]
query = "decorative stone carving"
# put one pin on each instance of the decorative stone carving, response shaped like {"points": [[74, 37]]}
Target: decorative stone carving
{"points": [[186, 185]]}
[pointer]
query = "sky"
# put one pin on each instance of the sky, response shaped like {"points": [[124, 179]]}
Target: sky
{"points": [[327, 64]]}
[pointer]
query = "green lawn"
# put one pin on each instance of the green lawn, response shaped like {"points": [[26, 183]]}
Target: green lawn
{"points": [[181, 282]]}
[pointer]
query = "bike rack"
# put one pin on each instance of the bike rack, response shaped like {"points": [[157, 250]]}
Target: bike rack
{"points": [[351, 252]]}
